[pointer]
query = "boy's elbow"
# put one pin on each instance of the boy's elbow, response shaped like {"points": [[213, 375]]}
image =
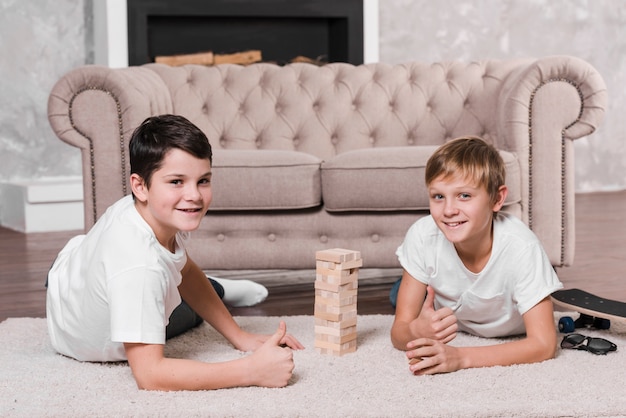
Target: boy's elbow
{"points": [[149, 382], [397, 340], [151, 386], [146, 384], [397, 345], [549, 352], [148, 367], [546, 350]]}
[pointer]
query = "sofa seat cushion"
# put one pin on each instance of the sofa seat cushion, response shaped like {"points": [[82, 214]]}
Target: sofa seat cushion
{"points": [[390, 179], [265, 180]]}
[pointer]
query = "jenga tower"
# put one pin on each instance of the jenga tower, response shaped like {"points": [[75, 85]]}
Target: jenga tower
{"points": [[336, 285]]}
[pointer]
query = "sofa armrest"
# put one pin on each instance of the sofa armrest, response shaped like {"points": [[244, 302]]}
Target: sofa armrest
{"points": [[542, 108], [96, 109]]}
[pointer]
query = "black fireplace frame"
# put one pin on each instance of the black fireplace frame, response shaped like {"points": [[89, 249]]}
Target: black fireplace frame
{"points": [[329, 30]]}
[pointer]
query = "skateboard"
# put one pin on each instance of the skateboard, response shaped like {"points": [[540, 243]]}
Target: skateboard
{"points": [[594, 311]]}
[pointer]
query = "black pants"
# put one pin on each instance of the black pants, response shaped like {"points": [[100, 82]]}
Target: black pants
{"points": [[184, 318]]}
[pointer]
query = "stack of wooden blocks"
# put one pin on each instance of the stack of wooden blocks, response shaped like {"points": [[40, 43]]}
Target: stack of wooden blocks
{"points": [[336, 286]]}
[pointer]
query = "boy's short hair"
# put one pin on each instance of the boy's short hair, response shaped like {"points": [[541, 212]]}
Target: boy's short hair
{"points": [[157, 135], [472, 158]]}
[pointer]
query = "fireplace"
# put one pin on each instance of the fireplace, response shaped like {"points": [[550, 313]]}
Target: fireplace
{"points": [[326, 30]]}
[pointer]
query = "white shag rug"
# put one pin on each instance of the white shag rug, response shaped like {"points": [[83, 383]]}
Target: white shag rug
{"points": [[373, 382]]}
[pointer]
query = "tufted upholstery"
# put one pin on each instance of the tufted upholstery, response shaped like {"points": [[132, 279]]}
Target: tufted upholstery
{"points": [[311, 157], [337, 108]]}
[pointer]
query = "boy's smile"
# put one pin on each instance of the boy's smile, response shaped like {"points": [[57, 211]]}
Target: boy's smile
{"points": [[454, 224], [178, 197]]}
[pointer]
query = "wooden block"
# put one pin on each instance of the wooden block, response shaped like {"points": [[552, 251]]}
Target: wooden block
{"points": [[333, 331], [201, 58], [334, 287], [350, 300], [329, 294], [414, 360], [319, 264], [344, 323], [335, 339], [338, 279], [323, 272], [339, 266], [336, 349], [334, 309], [335, 317], [337, 255]]}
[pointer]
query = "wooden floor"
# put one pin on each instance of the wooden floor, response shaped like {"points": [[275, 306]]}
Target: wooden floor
{"points": [[599, 267]]}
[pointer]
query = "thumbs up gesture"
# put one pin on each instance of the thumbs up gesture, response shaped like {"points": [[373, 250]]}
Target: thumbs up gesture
{"points": [[272, 363], [440, 324]]}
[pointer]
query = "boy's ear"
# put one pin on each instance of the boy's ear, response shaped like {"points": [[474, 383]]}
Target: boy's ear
{"points": [[139, 187], [503, 191]]}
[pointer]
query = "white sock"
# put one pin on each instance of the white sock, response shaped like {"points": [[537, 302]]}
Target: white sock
{"points": [[240, 293]]}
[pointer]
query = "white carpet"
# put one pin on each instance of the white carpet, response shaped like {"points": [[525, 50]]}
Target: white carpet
{"points": [[374, 381]]}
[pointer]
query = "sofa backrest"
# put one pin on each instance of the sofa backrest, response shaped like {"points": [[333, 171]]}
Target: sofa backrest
{"points": [[338, 107], [531, 108]]}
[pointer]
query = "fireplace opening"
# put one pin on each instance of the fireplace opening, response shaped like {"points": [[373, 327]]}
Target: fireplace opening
{"points": [[323, 30]]}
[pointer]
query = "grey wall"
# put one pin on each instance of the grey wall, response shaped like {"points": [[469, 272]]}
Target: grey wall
{"points": [[594, 30], [42, 39]]}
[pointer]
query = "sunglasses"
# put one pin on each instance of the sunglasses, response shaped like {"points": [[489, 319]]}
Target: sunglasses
{"points": [[591, 344]]}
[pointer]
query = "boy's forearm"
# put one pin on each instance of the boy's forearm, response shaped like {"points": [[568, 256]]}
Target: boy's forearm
{"points": [[182, 374], [210, 307], [200, 295], [538, 345], [516, 352]]}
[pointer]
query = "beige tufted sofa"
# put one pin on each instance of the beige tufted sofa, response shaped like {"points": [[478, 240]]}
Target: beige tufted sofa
{"points": [[308, 158]]}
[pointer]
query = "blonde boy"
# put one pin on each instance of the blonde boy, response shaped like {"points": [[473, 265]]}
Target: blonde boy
{"points": [[469, 268]]}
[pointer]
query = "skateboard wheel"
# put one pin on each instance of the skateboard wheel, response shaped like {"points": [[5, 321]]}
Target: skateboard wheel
{"points": [[566, 324], [601, 323]]}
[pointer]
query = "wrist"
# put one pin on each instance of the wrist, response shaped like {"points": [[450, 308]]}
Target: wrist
{"points": [[465, 359], [239, 339]]}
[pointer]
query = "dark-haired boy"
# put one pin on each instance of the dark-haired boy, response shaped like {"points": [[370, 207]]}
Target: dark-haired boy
{"points": [[112, 292]]}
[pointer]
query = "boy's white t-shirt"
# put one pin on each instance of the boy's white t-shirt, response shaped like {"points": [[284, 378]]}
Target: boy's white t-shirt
{"points": [[113, 285], [491, 303]]}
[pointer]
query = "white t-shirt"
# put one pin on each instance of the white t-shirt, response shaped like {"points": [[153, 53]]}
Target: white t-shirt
{"points": [[113, 285], [491, 303]]}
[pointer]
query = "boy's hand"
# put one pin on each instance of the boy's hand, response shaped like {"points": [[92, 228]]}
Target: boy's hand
{"points": [[289, 340], [252, 342], [427, 356], [272, 365], [440, 325]]}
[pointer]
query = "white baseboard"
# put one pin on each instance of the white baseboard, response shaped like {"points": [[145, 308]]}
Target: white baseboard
{"points": [[44, 205]]}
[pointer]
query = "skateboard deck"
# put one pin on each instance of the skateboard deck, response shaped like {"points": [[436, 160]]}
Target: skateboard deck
{"points": [[590, 307]]}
